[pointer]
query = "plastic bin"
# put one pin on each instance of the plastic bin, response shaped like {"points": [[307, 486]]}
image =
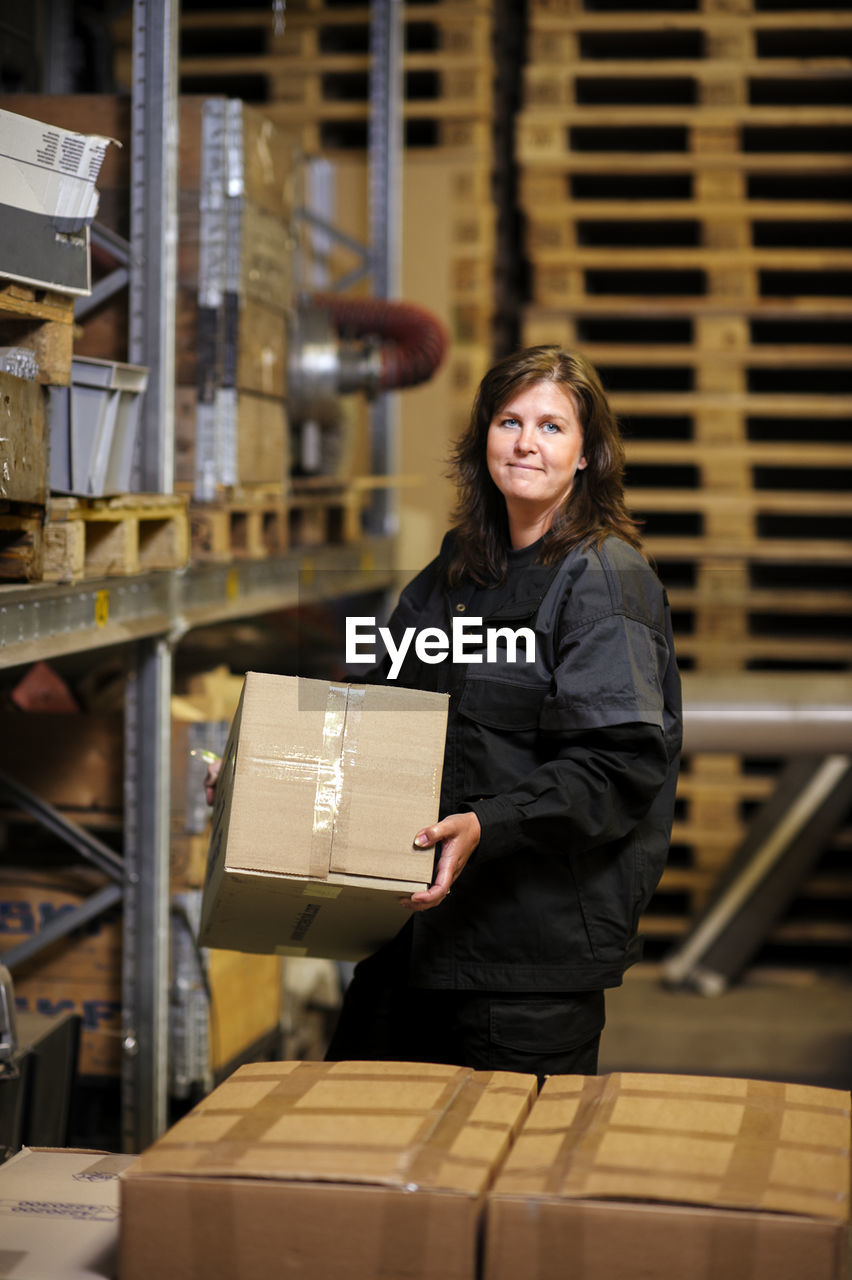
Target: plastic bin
{"points": [[93, 427]]}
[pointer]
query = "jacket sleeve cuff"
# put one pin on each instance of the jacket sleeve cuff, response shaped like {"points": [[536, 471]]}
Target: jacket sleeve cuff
{"points": [[498, 818]]}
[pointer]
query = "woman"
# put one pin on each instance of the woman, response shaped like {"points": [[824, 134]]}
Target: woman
{"points": [[562, 756]]}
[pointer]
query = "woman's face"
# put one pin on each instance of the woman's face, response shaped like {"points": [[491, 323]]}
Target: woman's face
{"points": [[534, 449]]}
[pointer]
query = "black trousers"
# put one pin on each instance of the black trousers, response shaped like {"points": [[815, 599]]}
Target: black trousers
{"points": [[542, 1033]]}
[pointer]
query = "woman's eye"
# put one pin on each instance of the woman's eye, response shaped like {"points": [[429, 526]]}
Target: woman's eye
{"points": [[549, 426], [509, 422]]}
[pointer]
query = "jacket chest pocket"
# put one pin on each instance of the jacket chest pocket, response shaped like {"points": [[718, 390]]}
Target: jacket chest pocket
{"points": [[497, 725]]}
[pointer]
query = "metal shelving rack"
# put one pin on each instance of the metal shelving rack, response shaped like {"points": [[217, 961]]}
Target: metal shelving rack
{"points": [[149, 614], [44, 622]]}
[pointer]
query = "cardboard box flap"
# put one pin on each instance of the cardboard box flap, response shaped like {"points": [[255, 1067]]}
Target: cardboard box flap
{"points": [[405, 1125], [710, 1141]]}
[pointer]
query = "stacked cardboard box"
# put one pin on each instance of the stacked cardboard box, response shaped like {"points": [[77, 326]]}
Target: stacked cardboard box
{"points": [[429, 1171], [623, 1177], [234, 290], [319, 1170]]}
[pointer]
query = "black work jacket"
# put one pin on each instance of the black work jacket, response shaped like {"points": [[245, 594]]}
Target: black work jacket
{"points": [[569, 761]]}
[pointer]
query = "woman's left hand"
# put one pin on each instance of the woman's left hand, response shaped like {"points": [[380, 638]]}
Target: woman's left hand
{"points": [[459, 834]]}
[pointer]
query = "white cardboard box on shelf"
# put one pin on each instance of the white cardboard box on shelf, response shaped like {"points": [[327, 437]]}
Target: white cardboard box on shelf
{"points": [[323, 787], [93, 427], [48, 200]]}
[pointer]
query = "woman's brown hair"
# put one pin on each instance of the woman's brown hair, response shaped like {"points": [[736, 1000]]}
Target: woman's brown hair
{"points": [[595, 506]]}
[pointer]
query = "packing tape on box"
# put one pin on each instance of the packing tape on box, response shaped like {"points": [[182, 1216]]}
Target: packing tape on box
{"points": [[329, 781], [349, 750], [341, 725], [274, 1106], [747, 1154]]}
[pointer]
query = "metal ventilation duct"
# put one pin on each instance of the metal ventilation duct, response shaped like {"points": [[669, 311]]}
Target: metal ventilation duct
{"points": [[337, 346]]}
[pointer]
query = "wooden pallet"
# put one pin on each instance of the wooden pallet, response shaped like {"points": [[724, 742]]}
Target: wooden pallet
{"points": [[76, 538], [245, 526], [40, 321], [325, 512], [327, 40], [313, 75]]}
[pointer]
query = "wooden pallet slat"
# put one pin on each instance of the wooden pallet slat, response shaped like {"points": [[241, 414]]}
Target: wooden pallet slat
{"points": [[549, 17], [325, 512], [244, 526]]}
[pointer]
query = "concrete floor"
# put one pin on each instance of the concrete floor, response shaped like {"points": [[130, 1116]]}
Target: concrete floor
{"points": [[794, 1027]]}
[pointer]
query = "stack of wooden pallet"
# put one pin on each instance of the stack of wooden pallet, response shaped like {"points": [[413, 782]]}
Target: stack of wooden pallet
{"points": [[685, 182], [314, 68]]}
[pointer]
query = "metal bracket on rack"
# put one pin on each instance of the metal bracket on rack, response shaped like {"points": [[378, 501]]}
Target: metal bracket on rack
{"points": [[118, 279], [95, 905], [360, 251], [84, 843]]}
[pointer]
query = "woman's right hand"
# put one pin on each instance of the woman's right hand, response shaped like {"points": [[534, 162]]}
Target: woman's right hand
{"points": [[211, 779]]}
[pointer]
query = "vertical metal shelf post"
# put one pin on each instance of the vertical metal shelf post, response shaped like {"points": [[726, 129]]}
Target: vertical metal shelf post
{"points": [[153, 275], [385, 220]]}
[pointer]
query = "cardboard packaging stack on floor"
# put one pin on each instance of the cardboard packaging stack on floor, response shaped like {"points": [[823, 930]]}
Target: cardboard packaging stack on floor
{"points": [[321, 792], [625, 1177], [316, 1170], [59, 1214]]}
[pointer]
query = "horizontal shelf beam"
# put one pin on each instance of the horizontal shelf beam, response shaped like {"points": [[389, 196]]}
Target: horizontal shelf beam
{"points": [[47, 621]]}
